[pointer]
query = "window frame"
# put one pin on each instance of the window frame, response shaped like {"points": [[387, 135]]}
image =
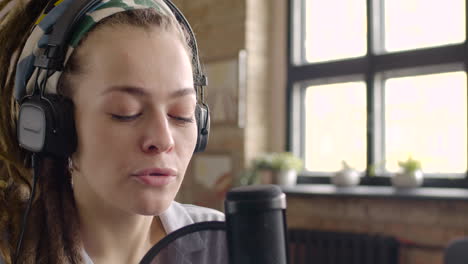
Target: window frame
{"points": [[369, 66]]}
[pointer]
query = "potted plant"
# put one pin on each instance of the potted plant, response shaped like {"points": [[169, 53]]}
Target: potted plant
{"points": [[346, 177], [278, 168], [410, 176]]}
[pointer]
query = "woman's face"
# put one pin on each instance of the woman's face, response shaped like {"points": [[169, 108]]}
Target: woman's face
{"points": [[135, 118]]}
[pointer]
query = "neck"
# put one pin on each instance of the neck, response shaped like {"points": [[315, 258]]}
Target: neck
{"points": [[111, 235]]}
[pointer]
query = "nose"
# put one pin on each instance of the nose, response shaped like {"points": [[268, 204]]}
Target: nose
{"points": [[158, 136]]}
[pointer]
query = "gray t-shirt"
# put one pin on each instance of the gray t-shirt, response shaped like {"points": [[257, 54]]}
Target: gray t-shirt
{"points": [[177, 216]]}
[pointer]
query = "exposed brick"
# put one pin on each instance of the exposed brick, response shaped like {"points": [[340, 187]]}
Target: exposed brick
{"points": [[416, 222], [417, 256], [356, 210]]}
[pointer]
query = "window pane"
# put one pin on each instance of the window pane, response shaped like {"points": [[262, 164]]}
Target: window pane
{"points": [[426, 119], [423, 23], [335, 29], [335, 126]]}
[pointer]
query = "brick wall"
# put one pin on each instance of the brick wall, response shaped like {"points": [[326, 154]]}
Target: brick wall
{"points": [[428, 225], [219, 27], [223, 28]]}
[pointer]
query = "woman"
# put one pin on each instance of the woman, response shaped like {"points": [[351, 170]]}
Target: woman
{"points": [[129, 74]]}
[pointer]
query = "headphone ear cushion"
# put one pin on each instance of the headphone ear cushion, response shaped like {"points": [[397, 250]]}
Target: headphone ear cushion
{"points": [[66, 130], [47, 125], [202, 114]]}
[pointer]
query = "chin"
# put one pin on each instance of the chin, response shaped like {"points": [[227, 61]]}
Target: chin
{"points": [[152, 201], [152, 206]]}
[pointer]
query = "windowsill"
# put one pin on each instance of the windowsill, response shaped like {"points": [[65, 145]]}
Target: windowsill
{"points": [[387, 192]]}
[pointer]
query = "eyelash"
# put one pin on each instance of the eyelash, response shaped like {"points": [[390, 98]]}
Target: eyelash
{"points": [[125, 118], [133, 117], [182, 119]]}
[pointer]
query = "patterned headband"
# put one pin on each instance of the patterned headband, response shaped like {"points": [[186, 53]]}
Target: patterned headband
{"points": [[26, 73]]}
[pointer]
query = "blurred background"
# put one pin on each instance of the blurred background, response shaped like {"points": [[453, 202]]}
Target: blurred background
{"points": [[353, 88]]}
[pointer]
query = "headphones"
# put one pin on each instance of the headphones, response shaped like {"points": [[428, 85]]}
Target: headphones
{"points": [[46, 122]]}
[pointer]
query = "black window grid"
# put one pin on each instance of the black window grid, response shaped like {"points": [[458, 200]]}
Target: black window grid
{"points": [[441, 58]]}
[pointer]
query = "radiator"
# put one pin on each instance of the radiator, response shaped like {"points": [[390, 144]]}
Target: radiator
{"points": [[319, 247]]}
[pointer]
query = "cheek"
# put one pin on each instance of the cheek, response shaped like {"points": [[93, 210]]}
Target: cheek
{"points": [[185, 141], [97, 142], [184, 146]]}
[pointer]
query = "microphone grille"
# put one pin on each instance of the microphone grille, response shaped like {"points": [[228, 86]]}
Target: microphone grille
{"points": [[254, 192]]}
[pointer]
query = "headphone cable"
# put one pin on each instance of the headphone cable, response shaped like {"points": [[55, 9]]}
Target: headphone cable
{"points": [[34, 164]]}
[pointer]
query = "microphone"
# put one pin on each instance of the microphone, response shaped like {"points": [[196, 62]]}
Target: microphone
{"points": [[256, 225], [456, 252]]}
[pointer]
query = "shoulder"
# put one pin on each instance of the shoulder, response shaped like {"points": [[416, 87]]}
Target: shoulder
{"points": [[200, 214], [179, 215]]}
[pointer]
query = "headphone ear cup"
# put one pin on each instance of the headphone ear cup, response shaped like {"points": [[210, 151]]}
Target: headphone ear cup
{"points": [[202, 114], [33, 121], [47, 125]]}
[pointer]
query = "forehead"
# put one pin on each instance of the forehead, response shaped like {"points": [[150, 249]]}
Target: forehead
{"points": [[128, 55]]}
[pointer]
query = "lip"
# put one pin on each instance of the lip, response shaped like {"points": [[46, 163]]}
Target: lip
{"points": [[155, 177], [156, 172]]}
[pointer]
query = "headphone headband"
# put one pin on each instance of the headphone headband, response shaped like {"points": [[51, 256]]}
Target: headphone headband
{"points": [[45, 54], [201, 79], [54, 57], [60, 28], [56, 46]]}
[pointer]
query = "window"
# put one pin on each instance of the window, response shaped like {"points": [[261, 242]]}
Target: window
{"points": [[419, 24], [373, 82], [425, 117], [335, 126], [349, 29]]}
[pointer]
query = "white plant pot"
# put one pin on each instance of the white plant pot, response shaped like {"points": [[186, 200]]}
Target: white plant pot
{"points": [[408, 180], [346, 178], [285, 178]]}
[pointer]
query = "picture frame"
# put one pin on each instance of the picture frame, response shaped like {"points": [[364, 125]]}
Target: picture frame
{"points": [[210, 170], [225, 92]]}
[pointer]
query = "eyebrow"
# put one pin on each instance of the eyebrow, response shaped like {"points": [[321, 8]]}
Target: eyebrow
{"points": [[141, 92]]}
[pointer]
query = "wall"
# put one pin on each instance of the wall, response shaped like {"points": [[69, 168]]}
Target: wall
{"points": [[427, 224], [219, 27], [223, 28]]}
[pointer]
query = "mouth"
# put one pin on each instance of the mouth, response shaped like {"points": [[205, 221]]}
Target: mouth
{"points": [[155, 177], [156, 172]]}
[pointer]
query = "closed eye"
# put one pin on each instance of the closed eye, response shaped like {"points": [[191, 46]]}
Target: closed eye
{"points": [[183, 119], [125, 118]]}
